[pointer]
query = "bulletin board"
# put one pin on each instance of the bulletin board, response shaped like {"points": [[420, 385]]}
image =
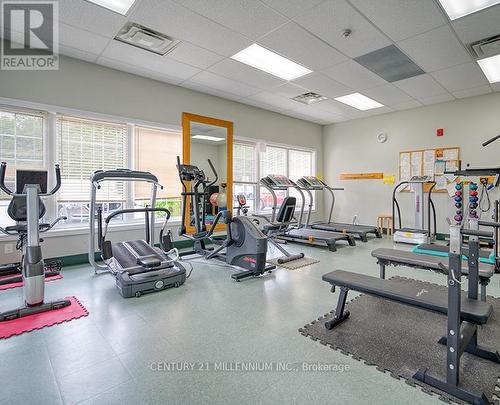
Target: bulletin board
{"points": [[431, 162]]}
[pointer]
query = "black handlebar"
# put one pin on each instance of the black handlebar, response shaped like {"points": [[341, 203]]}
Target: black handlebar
{"points": [[490, 224], [491, 140], [3, 187], [481, 234], [214, 172]]}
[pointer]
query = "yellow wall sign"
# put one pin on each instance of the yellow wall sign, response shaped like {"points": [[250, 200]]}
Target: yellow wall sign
{"points": [[389, 179]]}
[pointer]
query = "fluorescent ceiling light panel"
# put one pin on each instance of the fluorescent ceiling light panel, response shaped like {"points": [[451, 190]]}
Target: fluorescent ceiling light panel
{"points": [[270, 62], [118, 6], [357, 100], [491, 68], [460, 8], [208, 138]]}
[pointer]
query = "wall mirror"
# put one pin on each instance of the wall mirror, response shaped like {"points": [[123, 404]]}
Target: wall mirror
{"points": [[209, 138]]}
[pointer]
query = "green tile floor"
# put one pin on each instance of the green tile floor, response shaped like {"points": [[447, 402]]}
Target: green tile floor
{"points": [[106, 357]]}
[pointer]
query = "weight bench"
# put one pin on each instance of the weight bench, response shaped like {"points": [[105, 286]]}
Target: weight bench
{"points": [[395, 257], [464, 314], [474, 311]]}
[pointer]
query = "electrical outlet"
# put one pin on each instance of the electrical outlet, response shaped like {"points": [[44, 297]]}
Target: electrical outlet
{"points": [[8, 248]]}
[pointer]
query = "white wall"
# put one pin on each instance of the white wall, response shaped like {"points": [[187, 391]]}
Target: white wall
{"points": [[352, 147], [88, 87]]}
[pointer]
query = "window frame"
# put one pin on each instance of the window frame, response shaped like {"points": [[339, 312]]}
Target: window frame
{"points": [[50, 116], [288, 148]]}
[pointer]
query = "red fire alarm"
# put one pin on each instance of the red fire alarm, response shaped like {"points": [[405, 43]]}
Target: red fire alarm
{"points": [[440, 132]]}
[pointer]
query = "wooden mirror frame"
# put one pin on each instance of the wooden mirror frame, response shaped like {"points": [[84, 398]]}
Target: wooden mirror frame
{"points": [[187, 119]]}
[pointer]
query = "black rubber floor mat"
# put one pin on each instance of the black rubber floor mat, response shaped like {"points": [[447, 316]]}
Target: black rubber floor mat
{"points": [[400, 339]]}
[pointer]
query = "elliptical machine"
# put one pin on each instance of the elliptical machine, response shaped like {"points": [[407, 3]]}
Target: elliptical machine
{"points": [[245, 245], [27, 208], [273, 229]]}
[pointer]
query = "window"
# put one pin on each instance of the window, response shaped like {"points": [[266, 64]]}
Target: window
{"points": [[156, 151], [245, 174], [301, 164], [250, 166], [21, 146], [83, 147]]}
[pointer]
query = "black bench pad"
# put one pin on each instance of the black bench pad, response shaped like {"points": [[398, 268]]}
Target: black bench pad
{"points": [[424, 261], [473, 311]]}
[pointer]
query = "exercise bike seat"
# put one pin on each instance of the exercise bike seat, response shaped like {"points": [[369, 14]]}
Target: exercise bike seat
{"points": [[23, 228], [149, 262]]}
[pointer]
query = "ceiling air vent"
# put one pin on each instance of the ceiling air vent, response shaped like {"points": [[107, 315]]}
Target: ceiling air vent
{"points": [[146, 38], [486, 47], [309, 98]]}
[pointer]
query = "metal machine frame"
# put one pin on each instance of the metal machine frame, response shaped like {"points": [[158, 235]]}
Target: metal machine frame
{"points": [[419, 234], [309, 183], [301, 233], [33, 272], [138, 266]]}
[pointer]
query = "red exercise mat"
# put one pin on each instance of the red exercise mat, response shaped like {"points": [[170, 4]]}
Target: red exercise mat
{"points": [[42, 320], [20, 283]]}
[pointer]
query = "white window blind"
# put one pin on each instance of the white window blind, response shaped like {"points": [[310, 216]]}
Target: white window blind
{"points": [[85, 146], [300, 163], [21, 142], [244, 163], [273, 161]]}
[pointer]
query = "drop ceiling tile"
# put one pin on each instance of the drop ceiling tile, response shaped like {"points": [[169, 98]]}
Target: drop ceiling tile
{"points": [[77, 54], [295, 43], [436, 49], [214, 81], [379, 111], [462, 77], [144, 59], [388, 94], [262, 105], [82, 40], [437, 99], [401, 19], [125, 67], [274, 100], [316, 114], [292, 8], [208, 90], [407, 105], [353, 75], [245, 74], [329, 19], [172, 19], [477, 91], [91, 17], [250, 18], [335, 107], [288, 90], [480, 25], [72, 37], [422, 86], [323, 85], [194, 55]]}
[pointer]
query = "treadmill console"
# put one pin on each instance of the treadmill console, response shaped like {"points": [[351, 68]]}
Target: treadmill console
{"points": [[277, 180], [311, 182], [420, 179]]}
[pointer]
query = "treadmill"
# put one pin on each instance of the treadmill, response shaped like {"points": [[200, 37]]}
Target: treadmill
{"points": [[300, 233], [311, 183]]}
